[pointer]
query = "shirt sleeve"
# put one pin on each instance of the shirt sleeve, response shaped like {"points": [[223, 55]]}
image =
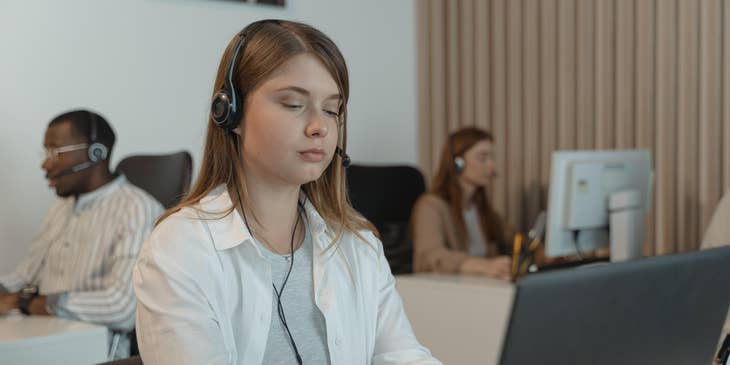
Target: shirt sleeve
{"points": [[395, 342], [114, 304], [175, 321], [26, 271], [429, 241]]}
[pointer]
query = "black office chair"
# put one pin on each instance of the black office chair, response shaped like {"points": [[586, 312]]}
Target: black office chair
{"points": [[134, 360], [165, 177], [385, 196]]}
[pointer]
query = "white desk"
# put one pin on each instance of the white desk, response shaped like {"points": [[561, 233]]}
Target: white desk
{"points": [[461, 319], [31, 340]]}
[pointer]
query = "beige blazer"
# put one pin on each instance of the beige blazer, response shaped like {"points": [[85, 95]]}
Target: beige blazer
{"points": [[436, 247]]}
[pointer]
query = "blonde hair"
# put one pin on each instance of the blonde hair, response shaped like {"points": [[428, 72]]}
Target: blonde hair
{"points": [[269, 44]]}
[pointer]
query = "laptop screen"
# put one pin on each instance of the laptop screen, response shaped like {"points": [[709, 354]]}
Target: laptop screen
{"points": [[659, 310]]}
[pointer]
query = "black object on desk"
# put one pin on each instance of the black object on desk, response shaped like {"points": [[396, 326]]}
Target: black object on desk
{"points": [[660, 310], [571, 264]]}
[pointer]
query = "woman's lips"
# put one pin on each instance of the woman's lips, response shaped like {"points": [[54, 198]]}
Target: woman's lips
{"points": [[312, 155]]}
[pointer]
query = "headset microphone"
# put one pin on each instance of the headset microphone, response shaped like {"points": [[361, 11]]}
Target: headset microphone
{"points": [[345, 158], [72, 170]]}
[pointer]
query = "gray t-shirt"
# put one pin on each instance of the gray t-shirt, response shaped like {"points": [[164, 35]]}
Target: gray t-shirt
{"points": [[304, 319]]}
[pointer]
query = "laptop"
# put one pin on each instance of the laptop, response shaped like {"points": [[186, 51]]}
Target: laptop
{"points": [[665, 310]]}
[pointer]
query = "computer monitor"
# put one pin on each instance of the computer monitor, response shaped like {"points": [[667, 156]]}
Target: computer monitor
{"points": [[583, 186], [665, 310]]}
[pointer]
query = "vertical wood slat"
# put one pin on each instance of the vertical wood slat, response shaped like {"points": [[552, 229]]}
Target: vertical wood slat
{"points": [[466, 58], [687, 112], [514, 113], [585, 74], [604, 69], [499, 100], [624, 88], [482, 64], [438, 80], [726, 95], [665, 205], [645, 92], [548, 87], [566, 74], [530, 96], [425, 152], [452, 65], [709, 115]]}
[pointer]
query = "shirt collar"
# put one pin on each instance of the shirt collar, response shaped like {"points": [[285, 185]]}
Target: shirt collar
{"points": [[230, 230], [87, 199]]}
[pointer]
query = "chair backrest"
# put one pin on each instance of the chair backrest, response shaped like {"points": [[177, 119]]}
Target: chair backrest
{"points": [[134, 360], [165, 177], [385, 196]]}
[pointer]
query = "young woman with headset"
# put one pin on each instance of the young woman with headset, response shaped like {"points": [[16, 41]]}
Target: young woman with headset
{"points": [[455, 228], [265, 261]]}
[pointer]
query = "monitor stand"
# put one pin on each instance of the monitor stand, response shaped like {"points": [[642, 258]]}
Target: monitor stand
{"points": [[626, 225]]}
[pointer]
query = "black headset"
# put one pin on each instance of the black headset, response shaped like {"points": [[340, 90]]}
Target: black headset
{"points": [[97, 151], [226, 108]]}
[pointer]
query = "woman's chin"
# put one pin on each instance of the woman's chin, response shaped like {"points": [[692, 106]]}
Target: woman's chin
{"points": [[309, 174]]}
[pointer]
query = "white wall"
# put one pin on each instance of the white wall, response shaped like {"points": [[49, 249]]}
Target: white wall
{"points": [[148, 66]]}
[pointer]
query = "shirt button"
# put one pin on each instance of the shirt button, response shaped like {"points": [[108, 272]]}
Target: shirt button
{"points": [[338, 341]]}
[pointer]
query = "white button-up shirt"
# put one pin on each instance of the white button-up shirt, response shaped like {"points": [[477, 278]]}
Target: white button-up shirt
{"points": [[204, 292], [83, 255]]}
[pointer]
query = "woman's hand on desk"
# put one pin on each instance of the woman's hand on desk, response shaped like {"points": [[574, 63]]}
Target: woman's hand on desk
{"points": [[495, 267]]}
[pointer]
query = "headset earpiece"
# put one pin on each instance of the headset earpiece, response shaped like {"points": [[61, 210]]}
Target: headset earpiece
{"points": [[459, 164], [97, 151]]}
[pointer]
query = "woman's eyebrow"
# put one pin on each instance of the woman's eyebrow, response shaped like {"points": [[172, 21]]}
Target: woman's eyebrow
{"points": [[306, 92]]}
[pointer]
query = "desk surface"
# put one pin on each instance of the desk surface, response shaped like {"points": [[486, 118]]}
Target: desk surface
{"points": [[50, 340], [461, 319]]}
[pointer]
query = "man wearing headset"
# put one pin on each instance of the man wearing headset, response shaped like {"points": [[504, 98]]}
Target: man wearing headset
{"points": [[81, 260]]}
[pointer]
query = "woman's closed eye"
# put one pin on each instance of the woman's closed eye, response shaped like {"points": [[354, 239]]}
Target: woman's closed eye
{"points": [[292, 106]]}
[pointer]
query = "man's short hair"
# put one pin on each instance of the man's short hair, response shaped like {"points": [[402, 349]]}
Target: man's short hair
{"points": [[81, 120]]}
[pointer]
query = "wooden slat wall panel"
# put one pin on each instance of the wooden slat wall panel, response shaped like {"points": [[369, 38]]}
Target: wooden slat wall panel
{"points": [[544, 75]]}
